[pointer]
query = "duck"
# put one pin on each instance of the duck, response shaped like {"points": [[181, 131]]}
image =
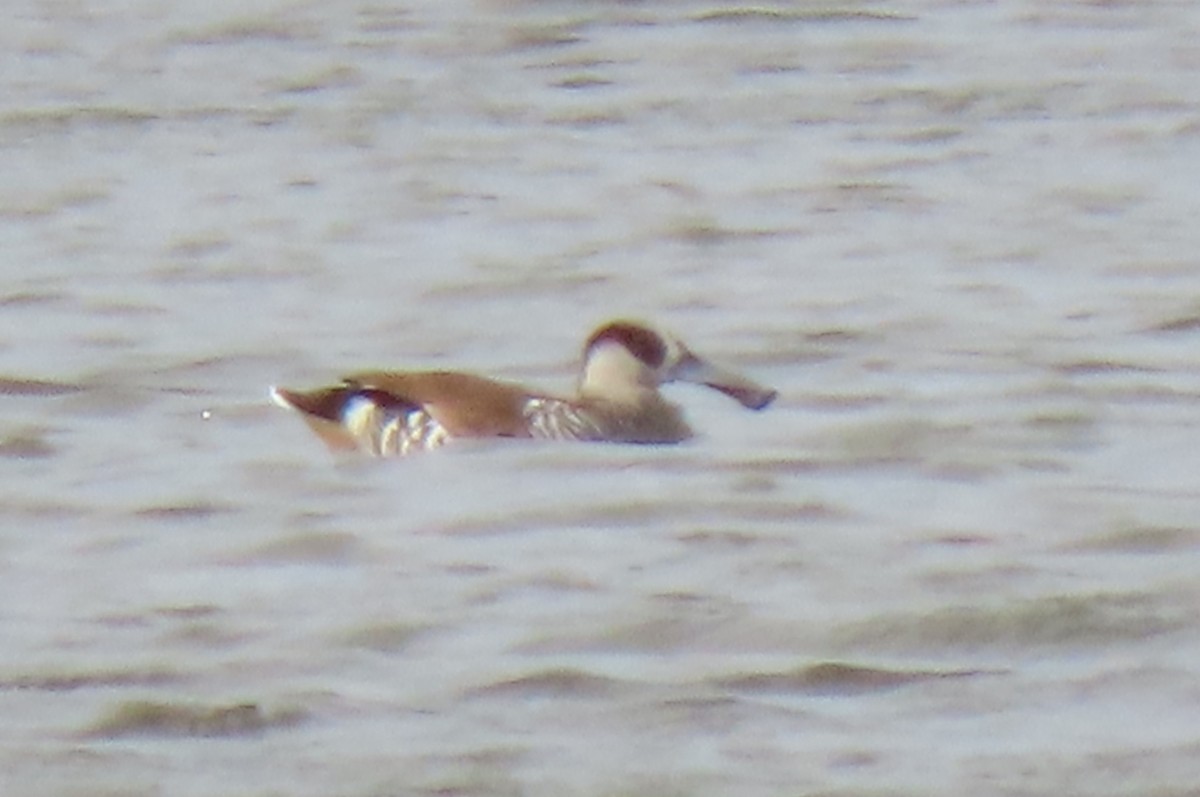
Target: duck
{"points": [[617, 400]]}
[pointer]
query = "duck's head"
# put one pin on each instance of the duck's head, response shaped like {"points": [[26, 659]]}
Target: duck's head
{"points": [[625, 358]]}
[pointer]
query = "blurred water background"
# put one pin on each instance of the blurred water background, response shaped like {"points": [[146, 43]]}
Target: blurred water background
{"points": [[959, 556]]}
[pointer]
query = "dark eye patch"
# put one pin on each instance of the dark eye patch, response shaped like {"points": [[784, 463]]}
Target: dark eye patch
{"points": [[642, 343]]}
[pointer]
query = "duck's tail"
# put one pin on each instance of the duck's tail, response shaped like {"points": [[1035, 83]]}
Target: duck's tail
{"points": [[352, 418]]}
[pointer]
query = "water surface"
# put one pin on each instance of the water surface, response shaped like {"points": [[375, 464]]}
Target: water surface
{"points": [[957, 556]]}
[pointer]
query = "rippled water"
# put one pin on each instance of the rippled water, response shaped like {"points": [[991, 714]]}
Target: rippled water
{"points": [[958, 556]]}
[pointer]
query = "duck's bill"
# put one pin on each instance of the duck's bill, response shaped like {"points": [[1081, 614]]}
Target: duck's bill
{"points": [[742, 389]]}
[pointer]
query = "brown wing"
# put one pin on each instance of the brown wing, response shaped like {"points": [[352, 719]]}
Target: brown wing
{"points": [[466, 405]]}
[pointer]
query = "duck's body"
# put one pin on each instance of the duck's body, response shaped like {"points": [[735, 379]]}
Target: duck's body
{"points": [[398, 413]]}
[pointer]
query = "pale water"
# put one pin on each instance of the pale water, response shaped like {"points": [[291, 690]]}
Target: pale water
{"points": [[960, 555]]}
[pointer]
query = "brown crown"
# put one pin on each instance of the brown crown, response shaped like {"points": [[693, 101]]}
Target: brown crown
{"points": [[644, 344]]}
